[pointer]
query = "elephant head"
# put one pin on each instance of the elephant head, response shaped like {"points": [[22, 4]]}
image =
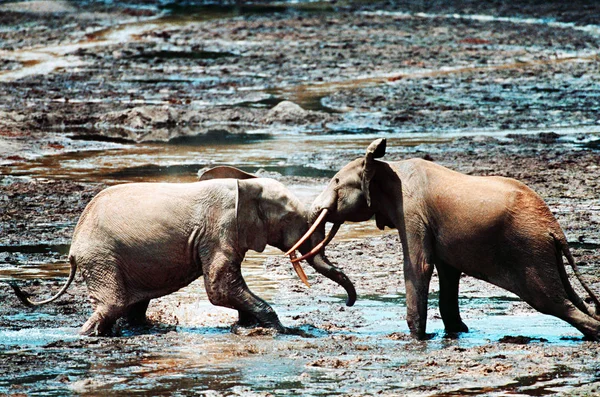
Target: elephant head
{"points": [[265, 204], [364, 188]]}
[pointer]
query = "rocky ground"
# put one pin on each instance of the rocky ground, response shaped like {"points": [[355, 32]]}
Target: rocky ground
{"points": [[137, 72]]}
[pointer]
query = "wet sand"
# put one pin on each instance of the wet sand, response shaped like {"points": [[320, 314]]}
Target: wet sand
{"points": [[500, 97]]}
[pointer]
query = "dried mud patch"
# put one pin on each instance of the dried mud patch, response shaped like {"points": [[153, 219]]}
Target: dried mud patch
{"points": [[411, 73]]}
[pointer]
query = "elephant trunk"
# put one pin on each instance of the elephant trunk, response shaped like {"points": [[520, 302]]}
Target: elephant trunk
{"points": [[322, 265]]}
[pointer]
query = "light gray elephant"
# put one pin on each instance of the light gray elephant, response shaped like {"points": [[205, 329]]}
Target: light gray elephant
{"points": [[139, 241], [492, 228]]}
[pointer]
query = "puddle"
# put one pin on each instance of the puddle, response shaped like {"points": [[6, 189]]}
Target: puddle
{"points": [[35, 337], [44, 60], [180, 160], [33, 270], [385, 315], [35, 261]]}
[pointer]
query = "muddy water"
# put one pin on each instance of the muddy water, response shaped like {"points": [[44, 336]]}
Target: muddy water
{"points": [[204, 355], [288, 153], [191, 347], [284, 154]]}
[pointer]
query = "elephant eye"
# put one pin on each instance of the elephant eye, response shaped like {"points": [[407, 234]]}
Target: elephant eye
{"points": [[337, 180]]}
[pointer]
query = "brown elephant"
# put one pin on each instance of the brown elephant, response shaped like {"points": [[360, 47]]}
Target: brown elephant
{"points": [[139, 241], [493, 228]]}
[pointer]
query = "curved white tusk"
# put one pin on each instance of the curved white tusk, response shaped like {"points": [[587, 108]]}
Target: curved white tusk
{"points": [[319, 246], [309, 232], [299, 270]]}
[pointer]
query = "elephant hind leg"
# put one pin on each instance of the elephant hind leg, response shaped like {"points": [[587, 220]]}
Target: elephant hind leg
{"points": [[136, 313], [557, 304], [548, 291], [547, 296], [101, 321], [448, 304], [568, 312]]}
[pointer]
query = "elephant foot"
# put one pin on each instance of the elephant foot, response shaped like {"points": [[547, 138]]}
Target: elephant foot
{"points": [[456, 328], [250, 325], [422, 335], [98, 325]]}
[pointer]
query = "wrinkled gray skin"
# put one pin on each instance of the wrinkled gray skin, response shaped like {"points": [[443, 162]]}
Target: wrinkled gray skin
{"points": [[135, 242], [492, 228]]}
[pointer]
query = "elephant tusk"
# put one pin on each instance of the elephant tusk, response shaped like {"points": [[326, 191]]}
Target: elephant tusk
{"points": [[322, 244], [299, 270], [309, 232]]}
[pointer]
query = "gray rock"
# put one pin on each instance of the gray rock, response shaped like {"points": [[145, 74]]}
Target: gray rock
{"points": [[143, 117], [287, 112]]}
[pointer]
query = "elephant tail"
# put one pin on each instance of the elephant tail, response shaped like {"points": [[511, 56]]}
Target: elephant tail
{"points": [[563, 249], [24, 297]]}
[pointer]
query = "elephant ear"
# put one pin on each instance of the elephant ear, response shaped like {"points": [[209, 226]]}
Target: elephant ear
{"points": [[250, 219], [375, 150], [225, 172]]}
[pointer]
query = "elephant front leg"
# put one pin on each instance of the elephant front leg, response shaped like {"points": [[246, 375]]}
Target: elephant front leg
{"points": [[449, 310], [247, 320], [417, 276], [417, 294], [226, 287]]}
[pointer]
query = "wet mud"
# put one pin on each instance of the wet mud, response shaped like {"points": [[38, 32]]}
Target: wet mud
{"points": [[96, 94]]}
